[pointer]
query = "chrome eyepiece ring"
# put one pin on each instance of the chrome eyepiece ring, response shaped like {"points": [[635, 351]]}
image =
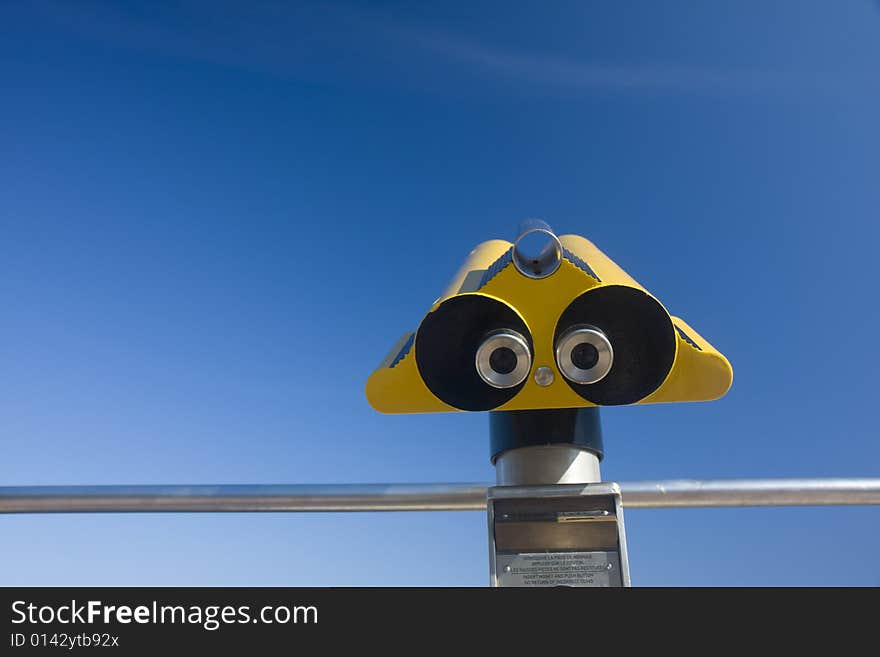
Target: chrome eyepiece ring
{"points": [[584, 354], [503, 359]]}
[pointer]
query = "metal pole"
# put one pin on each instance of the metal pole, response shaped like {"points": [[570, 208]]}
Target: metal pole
{"points": [[243, 498], [547, 464], [750, 492], [420, 497], [543, 447]]}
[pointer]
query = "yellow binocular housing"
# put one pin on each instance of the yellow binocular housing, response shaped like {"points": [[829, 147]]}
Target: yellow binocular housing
{"points": [[553, 324]]}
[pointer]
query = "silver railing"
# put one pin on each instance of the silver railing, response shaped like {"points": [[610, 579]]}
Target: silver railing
{"points": [[419, 497]]}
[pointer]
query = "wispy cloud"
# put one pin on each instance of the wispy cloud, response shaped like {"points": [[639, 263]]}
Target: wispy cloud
{"points": [[535, 68], [317, 40]]}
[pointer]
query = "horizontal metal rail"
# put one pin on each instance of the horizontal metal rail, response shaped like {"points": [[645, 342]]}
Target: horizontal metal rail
{"points": [[419, 497]]}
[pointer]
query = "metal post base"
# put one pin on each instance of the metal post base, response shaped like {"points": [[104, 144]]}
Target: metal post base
{"points": [[561, 535], [551, 523]]}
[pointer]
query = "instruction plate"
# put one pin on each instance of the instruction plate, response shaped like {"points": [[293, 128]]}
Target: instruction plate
{"points": [[558, 569]]}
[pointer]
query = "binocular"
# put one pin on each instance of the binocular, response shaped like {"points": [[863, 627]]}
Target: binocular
{"points": [[545, 322]]}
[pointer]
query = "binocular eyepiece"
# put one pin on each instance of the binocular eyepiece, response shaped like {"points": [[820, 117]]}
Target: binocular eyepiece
{"points": [[503, 359], [545, 322], [584, 354]]}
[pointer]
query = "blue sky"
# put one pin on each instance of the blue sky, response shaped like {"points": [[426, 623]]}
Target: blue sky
{"points": [[216, 218]]}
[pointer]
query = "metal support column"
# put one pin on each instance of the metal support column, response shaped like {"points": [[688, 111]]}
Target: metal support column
{"points": [[544, 447], [551, 523]]}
